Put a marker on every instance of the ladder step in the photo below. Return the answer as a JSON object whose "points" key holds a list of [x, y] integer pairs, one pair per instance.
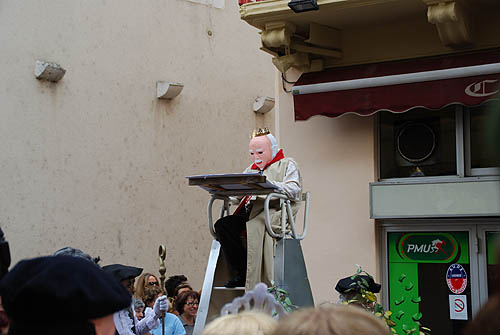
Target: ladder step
{"points": [[223, 288]]}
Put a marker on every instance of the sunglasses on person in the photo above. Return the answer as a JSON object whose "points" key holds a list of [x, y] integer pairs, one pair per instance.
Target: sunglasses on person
{"points": [[192, 303], [153, 283]]}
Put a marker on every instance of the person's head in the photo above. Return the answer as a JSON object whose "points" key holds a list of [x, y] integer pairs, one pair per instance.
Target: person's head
{"points": [[145, 280], [70, 251], [263, 147], [84, 296], [139, 308], [486, 321], [187, 303], [353, 288], [181, 289], [172, 283], [332, 320], [124, 274], [151, 293], [245, 323], [151, 281]]}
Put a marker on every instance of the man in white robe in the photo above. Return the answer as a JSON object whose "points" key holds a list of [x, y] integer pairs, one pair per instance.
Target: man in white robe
{"points": [[126, 322], [252, 261]]}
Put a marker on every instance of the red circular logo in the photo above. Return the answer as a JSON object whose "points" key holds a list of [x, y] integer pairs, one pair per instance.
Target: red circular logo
{"points": [[456, 278]]}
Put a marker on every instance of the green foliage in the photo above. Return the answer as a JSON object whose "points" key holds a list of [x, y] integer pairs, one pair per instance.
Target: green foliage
{"points": [[368, 300], [283, 297]]}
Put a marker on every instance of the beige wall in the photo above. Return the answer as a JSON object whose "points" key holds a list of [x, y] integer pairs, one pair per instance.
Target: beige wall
{"points": [[336, 159], [96, 161]]}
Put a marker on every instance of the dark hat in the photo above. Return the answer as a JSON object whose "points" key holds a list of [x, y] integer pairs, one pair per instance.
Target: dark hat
{"points": [[48, 290], [122, 272], [356, 283], [70, 251]]}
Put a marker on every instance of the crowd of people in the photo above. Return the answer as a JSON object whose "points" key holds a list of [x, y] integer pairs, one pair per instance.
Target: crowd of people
{"points": [[69, 293]]}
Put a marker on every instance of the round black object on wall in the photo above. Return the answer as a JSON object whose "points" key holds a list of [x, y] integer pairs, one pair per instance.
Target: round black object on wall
{"points": [[416, 142]]}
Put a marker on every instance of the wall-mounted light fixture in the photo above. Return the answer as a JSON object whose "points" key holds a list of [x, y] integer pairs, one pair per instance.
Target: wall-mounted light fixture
{"points": [[168, 90], [48, 71], [263, 105], [299, 6]]}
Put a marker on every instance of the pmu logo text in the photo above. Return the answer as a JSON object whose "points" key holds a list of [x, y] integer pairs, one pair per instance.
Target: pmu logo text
{"points": [[431, 248], [428, 247]]}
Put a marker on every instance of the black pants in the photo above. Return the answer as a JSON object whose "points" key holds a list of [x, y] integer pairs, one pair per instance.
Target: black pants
{"points": [[229, 233]]}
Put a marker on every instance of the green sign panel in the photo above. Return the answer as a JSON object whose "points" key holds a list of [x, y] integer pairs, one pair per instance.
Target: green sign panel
{"points": [[428, 247]]}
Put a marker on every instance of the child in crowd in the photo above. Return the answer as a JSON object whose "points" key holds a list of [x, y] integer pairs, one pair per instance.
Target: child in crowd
{"points": [[139, 309]]}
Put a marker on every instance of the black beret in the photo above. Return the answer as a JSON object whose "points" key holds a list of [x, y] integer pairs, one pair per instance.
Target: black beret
{"points": [[70, 251], [52, 289], [348, 284], [122, 272]]}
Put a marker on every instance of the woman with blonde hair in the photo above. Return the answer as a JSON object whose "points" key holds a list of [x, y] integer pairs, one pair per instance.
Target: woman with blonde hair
{"points": [[145, 280], [244, 323], [332, 320]]}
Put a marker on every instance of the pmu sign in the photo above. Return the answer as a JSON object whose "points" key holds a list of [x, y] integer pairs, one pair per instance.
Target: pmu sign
{"points": [[428, 247]]}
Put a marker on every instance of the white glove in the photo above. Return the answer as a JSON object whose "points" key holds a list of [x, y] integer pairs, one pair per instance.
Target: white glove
{"points": [[161, 305]]}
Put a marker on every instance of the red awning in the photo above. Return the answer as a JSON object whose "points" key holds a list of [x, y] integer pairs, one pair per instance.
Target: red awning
{"points": [[433, 82]]}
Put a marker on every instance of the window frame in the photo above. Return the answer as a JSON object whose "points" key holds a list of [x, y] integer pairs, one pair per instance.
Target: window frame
{"points": [[469, 171], [462, 150]]}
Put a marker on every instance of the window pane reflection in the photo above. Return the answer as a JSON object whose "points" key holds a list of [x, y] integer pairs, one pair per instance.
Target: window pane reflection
{"points": [[485, 135]]}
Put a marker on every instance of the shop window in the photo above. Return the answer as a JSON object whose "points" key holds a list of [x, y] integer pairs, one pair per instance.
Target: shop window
{"points": [[418, 143], [483, 125], [427, 269], [455, 141]]}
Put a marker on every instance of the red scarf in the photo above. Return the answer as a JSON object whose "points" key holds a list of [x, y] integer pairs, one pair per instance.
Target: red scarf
{"points": [[279, 156]]}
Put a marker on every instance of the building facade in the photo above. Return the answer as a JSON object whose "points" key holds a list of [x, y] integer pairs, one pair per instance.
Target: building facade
{"points": [[391, 109]]}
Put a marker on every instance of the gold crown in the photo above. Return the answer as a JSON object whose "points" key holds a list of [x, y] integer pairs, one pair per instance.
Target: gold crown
{"points": [[260, 132]]}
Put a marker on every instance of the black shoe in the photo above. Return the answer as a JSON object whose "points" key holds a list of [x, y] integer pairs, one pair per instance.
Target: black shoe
{"points": [[237, 281]]}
